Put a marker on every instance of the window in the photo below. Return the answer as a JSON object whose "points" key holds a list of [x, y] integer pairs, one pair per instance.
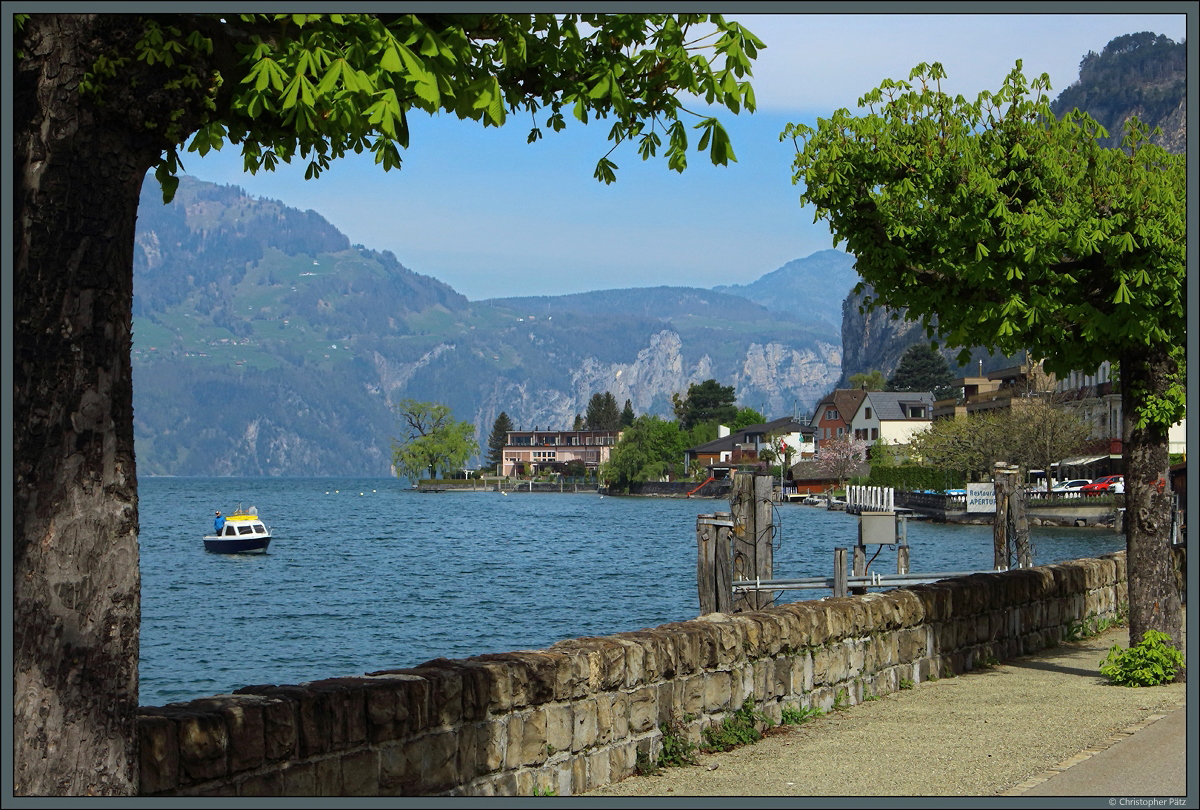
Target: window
{"points": [[841, 432], [831, 414], [229, 531], [868, 415], [258, 527], [874, 433], [245, 529]]}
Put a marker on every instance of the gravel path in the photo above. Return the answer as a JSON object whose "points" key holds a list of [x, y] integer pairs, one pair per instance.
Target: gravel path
{"points": [[978, 734]]}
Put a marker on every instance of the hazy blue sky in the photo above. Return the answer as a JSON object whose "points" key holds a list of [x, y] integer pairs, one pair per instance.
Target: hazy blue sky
{"points": [[493, 216]]}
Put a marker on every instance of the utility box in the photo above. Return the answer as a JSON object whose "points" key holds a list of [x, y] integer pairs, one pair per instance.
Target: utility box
{"points": [[877, 528]]}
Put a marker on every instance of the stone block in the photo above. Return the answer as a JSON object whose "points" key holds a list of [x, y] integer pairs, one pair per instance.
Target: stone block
{"points": [[635, 655], [505, 784], [493, 742], [244, 721], [762, 677], [692, 695], [440, 770], [667, 701], [578, 770], [530, 740], [269, 783], [203, 746], [643, 709], [781, 676], [400, 767], [802, 673], [912, 643], [585, 719], [360, 773], [299, 778], [908, 607], [329, 776], [598, 769], [856, 655], [560, 729], [442, 702], [158, 753], [717, 691]]}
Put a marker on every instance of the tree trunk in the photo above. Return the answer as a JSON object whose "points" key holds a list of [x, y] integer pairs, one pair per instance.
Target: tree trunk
{"points": [[1154, 602], [78, 169]]}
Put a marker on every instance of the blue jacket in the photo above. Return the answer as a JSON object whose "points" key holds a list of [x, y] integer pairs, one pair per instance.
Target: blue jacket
{"points": [[219, 524]]}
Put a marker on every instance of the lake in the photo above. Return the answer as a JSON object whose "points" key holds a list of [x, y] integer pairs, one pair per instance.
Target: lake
{"points": [[365, 574]]}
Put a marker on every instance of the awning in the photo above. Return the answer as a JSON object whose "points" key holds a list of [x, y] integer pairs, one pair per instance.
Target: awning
{"points": [[1080, 461]]}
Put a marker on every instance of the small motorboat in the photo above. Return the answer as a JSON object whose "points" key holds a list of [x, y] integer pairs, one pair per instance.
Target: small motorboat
{"points": [[243, 533]]}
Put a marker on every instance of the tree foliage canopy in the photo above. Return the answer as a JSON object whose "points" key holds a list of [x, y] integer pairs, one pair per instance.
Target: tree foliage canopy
{"points": [[602, 413], [317, 86], [869, 381], [1036, 434], [431, 440], [1000, 225], [647, 450], [921, 369], [708, 401]]}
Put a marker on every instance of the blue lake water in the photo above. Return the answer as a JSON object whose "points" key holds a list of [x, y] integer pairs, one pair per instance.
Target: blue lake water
{"points": [[365, 574]]}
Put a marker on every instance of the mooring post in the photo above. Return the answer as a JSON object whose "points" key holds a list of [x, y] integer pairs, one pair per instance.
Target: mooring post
{"points": [[723, 563], [839, 571], [706, 543], [1019, 520], [1000, 522], [764, 537], [901, 545]]}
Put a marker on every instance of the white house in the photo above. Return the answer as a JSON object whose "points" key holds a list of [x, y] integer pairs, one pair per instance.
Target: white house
{"points": [[893, 416]]}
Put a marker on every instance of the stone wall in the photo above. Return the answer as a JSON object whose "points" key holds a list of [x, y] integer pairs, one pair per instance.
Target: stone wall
{"points": [[578, 714]]}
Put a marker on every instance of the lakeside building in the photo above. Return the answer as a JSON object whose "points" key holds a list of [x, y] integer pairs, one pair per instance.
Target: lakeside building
{"points": [[833, 414], [528, 452], [893, 416], [743, 446], [1093, 397]]}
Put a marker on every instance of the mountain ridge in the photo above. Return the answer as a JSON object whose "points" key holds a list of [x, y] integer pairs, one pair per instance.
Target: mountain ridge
{"points": [[266, 344]]}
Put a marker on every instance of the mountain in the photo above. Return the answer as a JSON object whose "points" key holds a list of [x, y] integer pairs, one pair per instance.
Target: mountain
{"points": [[1136, 74], [815, 285], [1143, 75], [266, 344]]}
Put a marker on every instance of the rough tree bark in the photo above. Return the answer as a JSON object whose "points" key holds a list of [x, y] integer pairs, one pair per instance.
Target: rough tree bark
{"points": [[1154, 601], [78, 169]]}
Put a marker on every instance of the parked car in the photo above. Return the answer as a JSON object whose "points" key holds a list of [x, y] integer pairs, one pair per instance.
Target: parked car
{"points": [[1074, 485], [1102, 485]]}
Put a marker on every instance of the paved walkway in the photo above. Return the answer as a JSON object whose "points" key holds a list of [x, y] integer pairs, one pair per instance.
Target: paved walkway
{"points": [[1043, 725]]}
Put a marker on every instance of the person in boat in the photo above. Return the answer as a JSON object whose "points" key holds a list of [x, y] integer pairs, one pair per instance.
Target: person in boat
{"points": [[218, 523]]}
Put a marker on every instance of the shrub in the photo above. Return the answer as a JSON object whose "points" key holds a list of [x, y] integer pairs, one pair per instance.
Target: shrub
{"points": [[1150, 662]]}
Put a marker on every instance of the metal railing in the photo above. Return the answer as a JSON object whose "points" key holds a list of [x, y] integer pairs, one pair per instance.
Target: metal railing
{"points": [[828, 583]]}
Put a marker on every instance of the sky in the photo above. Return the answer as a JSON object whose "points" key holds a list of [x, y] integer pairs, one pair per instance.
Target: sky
{"points": [[493, 216]]}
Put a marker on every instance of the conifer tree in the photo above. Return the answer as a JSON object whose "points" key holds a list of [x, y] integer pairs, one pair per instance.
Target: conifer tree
{"points": [[497, 440], [627, 415]]}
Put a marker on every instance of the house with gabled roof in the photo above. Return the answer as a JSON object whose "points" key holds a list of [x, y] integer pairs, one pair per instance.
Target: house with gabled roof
{"points": [[893, 416], [833, 414]]}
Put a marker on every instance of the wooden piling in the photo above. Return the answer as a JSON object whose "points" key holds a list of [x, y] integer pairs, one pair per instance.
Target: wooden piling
{"points": [[722, 563], [1019, 523], [1000, 522], [714, 578], [706, 545], [839, 571], [764, 536]]}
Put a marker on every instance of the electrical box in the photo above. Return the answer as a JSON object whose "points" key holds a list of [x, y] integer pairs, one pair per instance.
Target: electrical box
{"points": [[877, 527]]}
